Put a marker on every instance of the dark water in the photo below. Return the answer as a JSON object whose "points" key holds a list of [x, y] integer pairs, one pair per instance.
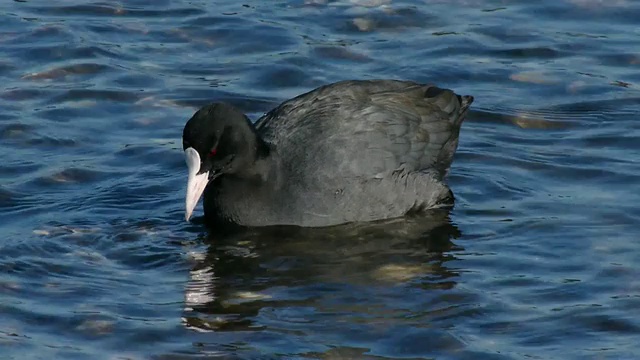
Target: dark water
{"points": [[538, 260]]}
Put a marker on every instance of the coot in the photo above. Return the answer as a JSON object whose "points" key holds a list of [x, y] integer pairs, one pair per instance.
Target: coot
{"points": [[352, 151]]}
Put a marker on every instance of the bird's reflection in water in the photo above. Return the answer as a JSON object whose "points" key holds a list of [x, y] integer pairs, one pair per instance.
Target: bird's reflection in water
{"points": [[286, 278]]}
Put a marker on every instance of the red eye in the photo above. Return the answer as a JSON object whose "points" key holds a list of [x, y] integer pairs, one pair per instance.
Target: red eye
{"points": [[213, 152]]}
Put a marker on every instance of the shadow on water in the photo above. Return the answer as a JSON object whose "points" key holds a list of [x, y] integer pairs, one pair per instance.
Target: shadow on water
{"points": [[326, 269], [347, 290]]}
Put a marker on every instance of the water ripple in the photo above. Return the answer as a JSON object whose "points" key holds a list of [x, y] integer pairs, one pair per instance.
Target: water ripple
{"points": [[538, 258]]}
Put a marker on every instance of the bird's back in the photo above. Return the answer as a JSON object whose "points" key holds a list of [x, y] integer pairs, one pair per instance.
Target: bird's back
{"points": [[359, 151], [354, 129]]}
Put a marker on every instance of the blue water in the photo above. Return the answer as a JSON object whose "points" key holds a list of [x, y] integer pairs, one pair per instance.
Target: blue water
{"points": [[539, 259]]}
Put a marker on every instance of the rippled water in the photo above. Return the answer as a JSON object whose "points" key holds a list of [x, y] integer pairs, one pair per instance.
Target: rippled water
{"points": [[539, 258]]}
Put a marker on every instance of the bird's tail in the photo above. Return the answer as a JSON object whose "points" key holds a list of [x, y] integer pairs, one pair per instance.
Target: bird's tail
{"points": [[457, 107], [450, 102]]}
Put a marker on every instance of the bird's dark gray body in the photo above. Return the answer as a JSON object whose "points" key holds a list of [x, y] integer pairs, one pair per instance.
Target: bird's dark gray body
{"points": [[346, 152]]}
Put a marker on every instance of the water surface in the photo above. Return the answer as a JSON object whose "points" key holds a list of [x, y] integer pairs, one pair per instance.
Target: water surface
{"points": [[538, 259]]}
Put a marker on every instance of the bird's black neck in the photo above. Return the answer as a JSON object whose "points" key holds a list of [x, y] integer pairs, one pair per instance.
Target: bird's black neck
{"points": [[260, 158]]}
